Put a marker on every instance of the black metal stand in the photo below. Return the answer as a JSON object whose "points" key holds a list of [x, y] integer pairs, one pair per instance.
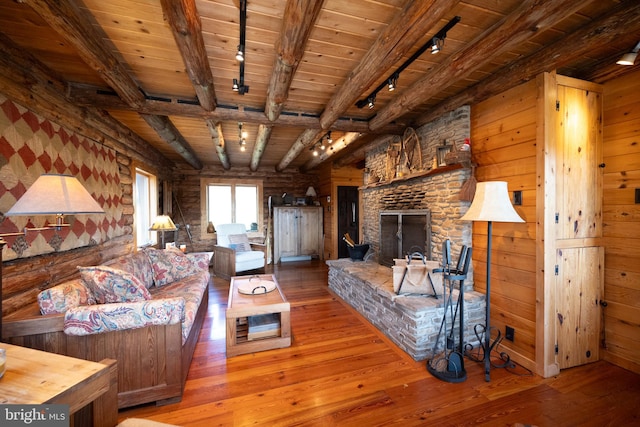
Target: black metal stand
{"points": [[448, 365]]}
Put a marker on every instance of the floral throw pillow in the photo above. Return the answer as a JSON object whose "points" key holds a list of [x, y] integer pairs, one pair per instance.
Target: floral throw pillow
{"points": [[239, 242], [170, 266], [112, 285]]}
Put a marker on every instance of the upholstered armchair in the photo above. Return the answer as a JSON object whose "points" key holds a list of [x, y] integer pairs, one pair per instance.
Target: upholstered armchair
{"points": [[234, 254]]}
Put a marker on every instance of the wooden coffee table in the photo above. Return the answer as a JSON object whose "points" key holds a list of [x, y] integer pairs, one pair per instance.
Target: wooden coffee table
{"points": [[245, 309]]}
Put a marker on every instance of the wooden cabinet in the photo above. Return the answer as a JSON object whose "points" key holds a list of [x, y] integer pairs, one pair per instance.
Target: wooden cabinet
{"points": [[297, 232]]}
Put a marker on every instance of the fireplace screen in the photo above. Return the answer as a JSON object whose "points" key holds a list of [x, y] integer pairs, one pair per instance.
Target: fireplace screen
{"points": [[402, 232]]}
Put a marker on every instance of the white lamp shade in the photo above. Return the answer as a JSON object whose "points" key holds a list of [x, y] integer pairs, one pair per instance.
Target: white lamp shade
{"points": [[311, 192], [628, 58], [55, 194], [163, 223], [491, 203]]}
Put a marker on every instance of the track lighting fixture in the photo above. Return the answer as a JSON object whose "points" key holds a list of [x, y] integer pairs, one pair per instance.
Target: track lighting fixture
{"points": [[630, 57], [371, 102], [435, 44], [392, 82], [329, 140], [238, 84]]}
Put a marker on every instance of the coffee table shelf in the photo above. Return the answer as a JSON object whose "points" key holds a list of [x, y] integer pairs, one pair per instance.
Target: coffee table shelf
{"points": [[242, 306]]}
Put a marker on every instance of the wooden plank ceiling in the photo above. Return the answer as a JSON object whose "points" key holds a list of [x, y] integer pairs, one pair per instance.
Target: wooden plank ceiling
{"points": [[164, 68]]}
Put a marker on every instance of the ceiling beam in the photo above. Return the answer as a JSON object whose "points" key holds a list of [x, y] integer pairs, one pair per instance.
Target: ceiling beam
{"points": [[523, 23], [187, 31], [623, 19], [94, 96], [415, 20], [262, 139], [74, 26], [305, 140], [338, 145], [297, 23], [168, 132], [215, 129]]}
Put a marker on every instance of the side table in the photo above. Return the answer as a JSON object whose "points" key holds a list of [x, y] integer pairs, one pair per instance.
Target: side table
{"points": [[37, 377]]}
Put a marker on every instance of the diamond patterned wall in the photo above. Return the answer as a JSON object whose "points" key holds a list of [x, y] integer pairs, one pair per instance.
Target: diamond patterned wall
{"points": [[31, 146]]}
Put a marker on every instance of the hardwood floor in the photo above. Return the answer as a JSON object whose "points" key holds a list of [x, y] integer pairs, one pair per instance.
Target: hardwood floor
{"points": [[341, 371]]}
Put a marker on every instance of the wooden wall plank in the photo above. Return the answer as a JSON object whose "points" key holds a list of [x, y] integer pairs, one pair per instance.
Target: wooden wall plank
{"points": [[622, 221]]}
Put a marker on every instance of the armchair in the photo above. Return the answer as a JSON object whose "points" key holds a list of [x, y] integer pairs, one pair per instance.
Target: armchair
{"points": [[234, 253]]}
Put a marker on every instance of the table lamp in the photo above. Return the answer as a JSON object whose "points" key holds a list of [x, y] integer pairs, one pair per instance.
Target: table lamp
{"points": [[311, 194], [163, 223], [491, 203]]}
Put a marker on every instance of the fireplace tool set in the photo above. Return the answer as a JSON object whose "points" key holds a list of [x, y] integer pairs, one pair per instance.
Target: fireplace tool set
{"points": [[447, 363]]}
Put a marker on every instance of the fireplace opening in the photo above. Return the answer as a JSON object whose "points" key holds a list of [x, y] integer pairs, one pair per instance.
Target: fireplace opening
{"points": [[402, 232]]}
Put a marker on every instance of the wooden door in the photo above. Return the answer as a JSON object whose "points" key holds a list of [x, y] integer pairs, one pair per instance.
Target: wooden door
{"points": [[578, 220], [580, 273]]}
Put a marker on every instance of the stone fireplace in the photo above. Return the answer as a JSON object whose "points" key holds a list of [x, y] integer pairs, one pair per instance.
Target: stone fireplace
{"points": [[436, 190], [419, 209]]}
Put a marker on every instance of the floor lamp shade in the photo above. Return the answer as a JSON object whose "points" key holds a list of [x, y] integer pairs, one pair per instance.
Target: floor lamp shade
{"points": [[490, 203]]}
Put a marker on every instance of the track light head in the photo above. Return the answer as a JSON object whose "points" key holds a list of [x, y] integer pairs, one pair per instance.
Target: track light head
{"points": [[628, 59], [371, 102], [329, 140], [392, 82], [240, 53], [436, 45], [235, 85]]}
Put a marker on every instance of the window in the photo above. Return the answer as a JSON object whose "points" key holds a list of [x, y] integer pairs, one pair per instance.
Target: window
{"points": [[145, 207], [231, 201]]}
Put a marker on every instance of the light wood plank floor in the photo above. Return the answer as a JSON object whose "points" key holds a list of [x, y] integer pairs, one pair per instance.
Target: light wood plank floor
{"points": [[341, 371]]}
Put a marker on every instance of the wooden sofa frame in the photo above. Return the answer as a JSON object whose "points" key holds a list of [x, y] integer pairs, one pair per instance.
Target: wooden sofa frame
{"points": [[152, 361]]}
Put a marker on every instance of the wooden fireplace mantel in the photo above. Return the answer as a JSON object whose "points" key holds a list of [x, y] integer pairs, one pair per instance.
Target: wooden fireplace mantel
{"points": [[421, 174]]}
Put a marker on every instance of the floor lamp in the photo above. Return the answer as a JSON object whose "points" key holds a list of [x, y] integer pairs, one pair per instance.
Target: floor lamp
{"points": [[491, 203]]}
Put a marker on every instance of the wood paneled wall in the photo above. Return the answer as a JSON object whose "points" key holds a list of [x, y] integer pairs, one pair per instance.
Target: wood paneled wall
{"points": [[503, 140], [622, 221]]}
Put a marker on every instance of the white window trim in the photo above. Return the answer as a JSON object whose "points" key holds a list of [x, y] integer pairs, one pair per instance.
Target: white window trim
{"points": [[204, 182]]}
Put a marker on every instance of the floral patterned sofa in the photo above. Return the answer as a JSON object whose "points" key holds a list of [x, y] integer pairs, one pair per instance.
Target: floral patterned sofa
{"points": [[144, 310]]}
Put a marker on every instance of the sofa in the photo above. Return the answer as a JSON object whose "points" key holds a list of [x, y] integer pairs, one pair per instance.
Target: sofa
{"points": [[144, 310]]}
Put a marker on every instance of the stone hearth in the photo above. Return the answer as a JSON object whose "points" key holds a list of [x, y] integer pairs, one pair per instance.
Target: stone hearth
{"points": [[411, 322]]}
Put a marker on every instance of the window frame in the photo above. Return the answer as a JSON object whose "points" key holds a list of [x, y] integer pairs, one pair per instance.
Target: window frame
{"points": [[152, 208], [204, 202]]}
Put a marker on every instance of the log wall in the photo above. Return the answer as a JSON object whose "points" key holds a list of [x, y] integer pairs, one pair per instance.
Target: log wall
{"points": [[621, 217]]}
